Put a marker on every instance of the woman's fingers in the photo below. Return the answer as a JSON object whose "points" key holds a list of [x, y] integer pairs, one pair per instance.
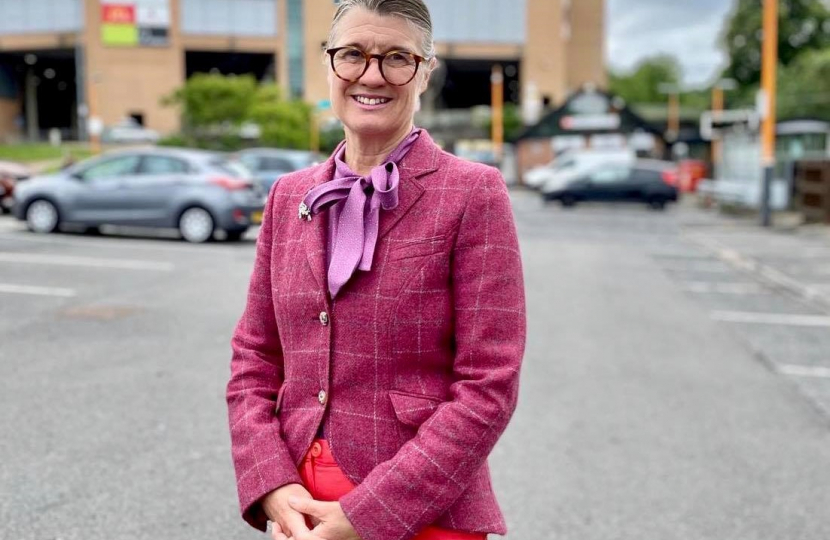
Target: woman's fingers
{"points": [[295, 525], [276, 531]]}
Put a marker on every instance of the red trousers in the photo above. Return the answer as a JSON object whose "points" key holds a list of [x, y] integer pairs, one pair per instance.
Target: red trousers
{"points": [[326, 482]]}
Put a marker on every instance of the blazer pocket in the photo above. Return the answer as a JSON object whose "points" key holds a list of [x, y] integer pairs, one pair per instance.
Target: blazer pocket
{"points": [[413, 409], [418, 248]]}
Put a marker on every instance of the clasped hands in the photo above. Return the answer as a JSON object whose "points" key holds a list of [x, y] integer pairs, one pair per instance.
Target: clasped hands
{"points": [[287, 508]]}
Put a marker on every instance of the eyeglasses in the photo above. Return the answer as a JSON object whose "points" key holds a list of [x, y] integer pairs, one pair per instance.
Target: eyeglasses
{"points": [[396, 67]]}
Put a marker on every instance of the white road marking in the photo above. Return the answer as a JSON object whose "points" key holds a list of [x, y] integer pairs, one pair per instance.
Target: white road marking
{"points": [[704, 287], [819, 372], [37, 291], [781, 319], [160, 244], [61, 260]]}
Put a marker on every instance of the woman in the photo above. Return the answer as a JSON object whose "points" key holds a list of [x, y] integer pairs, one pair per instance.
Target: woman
{"points": [[377, 361]]}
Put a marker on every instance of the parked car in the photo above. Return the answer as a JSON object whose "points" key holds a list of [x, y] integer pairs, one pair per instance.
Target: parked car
{"points": [[644, 181], [194, 191], [129, 131], [10, 174], [575, 162], [269, 164]]}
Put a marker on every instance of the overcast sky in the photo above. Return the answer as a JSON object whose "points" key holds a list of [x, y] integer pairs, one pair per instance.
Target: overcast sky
{"points": [[688, 29]]}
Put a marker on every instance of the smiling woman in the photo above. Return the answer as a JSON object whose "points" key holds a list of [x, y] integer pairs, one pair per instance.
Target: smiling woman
{"points": [[351, 416]]}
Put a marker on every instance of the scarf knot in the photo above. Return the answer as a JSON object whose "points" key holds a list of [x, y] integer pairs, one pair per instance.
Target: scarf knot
{"points": [[355, 203]]}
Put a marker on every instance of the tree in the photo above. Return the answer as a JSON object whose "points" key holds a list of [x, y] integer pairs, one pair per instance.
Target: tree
{"points": [[642, 84], [512, 123], [214, 107], [804, 87], [209, 100], [283, 124], [803, 25]]}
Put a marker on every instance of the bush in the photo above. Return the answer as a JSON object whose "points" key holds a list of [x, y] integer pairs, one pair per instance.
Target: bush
{"points": [[330, 138], [215, 106], [284, 124], [177, 140]]}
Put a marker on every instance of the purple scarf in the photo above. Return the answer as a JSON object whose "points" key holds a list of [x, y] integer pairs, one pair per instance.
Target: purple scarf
{"points": [[354, 215]]}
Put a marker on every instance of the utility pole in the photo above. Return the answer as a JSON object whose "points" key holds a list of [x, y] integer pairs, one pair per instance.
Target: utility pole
{"points": [[767, 105], [673, 117], [718, 105], [497, 103]]}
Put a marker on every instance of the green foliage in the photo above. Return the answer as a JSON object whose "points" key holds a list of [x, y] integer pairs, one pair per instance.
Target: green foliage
{"points": [[511, 122], [211, 99], [215, 106], [804, 87], [284, 124], [176, 140], [803, 25], [42, 152], [642, 84], [330, 138]]}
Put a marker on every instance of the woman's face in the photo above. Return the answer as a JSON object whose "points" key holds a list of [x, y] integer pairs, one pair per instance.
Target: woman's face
{"points": [[393, 106]]}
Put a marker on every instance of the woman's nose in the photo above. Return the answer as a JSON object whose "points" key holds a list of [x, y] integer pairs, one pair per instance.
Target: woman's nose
{"points": [[373, 74]]}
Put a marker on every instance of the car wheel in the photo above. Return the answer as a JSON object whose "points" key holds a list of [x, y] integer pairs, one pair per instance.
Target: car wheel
{"points": [[234, 236], [657, 204], [42, 217], [196, 225], [568, 201]]}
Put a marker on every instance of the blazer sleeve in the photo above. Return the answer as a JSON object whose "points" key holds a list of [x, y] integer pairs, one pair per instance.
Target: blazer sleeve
{"points": [[409, 492], [260, 456]]}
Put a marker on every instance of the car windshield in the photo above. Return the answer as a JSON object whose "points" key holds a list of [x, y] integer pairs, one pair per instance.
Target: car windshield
{"points": [[233, 167]]}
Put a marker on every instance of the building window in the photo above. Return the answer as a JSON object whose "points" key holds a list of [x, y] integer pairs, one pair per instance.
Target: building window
{"points": [[254, 18], [19, 17]]}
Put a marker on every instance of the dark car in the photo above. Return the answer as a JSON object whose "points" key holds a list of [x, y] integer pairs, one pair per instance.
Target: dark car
{"points": [[269, 164], [642, 182], [194, 191]]}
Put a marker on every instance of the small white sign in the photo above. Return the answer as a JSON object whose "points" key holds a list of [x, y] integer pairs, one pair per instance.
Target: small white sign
{"points": [[591, 122], [95, 126], [762, 104], [153, 14]]}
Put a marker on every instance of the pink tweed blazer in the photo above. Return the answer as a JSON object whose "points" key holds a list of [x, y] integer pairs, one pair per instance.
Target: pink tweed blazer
{"points": [[416, 363]]}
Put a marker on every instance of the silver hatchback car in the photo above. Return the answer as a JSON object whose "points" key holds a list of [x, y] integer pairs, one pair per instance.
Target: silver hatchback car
{"points": [[197, 192]]}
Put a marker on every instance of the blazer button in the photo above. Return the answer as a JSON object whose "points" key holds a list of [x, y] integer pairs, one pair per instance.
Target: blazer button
{"points": [[321, 397], [324, 318]]}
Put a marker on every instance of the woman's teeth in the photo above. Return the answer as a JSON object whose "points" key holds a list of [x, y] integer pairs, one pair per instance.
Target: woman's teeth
{"points": [[371, 101]]}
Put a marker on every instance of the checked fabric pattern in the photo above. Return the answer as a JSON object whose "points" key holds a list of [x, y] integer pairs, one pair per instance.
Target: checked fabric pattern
{"points": [[415, 365]]}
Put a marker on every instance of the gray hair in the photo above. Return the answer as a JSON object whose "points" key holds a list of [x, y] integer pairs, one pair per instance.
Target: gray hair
{"points": [[414, 12]]}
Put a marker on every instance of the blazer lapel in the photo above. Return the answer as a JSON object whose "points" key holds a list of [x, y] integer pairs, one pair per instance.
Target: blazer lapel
{"points": [[421, 160], [314, 231]]}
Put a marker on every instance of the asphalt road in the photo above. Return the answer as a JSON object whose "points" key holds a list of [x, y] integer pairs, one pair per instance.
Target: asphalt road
{"points": [[654, 404]]}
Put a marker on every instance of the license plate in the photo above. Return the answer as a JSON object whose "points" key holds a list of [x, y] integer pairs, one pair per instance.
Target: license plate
{"points": [[256, 218]]}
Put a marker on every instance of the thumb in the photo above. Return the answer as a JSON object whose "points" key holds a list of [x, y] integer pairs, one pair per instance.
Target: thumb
{"points": [[307, 506]]}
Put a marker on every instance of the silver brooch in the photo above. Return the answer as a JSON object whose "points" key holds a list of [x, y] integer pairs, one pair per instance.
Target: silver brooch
{"points": [[305, 212]]}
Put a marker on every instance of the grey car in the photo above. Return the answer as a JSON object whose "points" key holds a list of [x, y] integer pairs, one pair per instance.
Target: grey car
{"points": [[194, 191], [269, 164]]}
